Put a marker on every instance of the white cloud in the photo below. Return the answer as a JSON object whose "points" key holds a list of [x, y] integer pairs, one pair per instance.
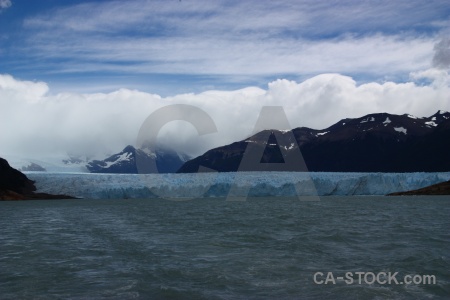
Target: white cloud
{"points": [[234, 38], [36, 123], [376, 54], [437, 77], [5, 3], [26, 90], [242, 17]]}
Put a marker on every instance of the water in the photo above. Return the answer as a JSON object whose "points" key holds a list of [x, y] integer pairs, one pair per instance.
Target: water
{"points": [[263, 248]]}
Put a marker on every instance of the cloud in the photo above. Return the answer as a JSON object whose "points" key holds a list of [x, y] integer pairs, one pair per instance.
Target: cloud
{"points": [[261, 39], [219, 56], [441, 58], [256, 18], [437, 77], [36, 123], [4, 4]]}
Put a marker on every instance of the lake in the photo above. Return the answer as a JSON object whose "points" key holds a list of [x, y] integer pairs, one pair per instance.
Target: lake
{"points": [[210, 248]]}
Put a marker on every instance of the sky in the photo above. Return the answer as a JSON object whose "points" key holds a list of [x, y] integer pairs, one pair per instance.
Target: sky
{"points": [[82, 76]]}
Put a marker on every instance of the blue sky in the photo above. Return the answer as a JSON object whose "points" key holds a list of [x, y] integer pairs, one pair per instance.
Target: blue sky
{"points": [[170, 47]]}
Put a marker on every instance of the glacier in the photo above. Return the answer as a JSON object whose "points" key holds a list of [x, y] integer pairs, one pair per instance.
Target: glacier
{"points": [[119, 186]]}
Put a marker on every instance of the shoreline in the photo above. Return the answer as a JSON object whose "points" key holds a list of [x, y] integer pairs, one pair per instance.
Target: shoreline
{"points": [[442, 188]]}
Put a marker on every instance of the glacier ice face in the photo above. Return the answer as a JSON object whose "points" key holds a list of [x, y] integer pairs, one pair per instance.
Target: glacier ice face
{"points": [[109, 186]]}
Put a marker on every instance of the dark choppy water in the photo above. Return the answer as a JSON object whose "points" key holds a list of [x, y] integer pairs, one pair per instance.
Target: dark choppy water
{"points": [[212, 249]]}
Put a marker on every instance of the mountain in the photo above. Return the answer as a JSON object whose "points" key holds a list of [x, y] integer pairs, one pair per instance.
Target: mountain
{"points": [[33, 167], [125, 162], [14, 185], [379, 142]]}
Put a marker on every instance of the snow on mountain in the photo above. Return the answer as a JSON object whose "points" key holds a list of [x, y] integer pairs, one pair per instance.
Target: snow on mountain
{"points": [[125, 162], [371, 119], [400, 129], [322, 133], [125, 157]]}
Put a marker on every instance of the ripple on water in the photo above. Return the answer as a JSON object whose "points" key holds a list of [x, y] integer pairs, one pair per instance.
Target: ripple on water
{"points": [[214, 249]]}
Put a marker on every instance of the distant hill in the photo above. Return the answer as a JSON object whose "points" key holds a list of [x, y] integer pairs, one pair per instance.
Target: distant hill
{"points": [[379, 142], [33, 167]]}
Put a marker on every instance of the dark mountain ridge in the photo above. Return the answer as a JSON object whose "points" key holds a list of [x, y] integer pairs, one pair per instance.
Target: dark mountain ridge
{"points": [[378, 142]]}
